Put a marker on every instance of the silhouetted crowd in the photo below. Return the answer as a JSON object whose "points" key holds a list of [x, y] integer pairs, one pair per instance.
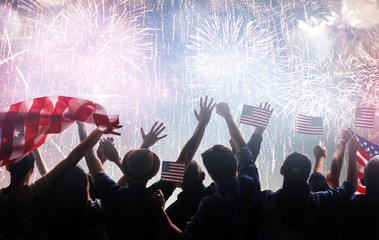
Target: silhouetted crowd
{"points": [[67, 203]]}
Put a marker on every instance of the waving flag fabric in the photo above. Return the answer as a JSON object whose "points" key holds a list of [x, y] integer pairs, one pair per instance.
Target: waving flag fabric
{"points": [[367, 151], [364, 117], [173, 172], [308, 125], [25, 125], [255, 116]]}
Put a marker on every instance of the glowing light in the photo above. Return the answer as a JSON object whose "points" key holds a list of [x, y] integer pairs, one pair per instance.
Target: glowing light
{"points": [[224, 53], [88, 41], [361, 14]]}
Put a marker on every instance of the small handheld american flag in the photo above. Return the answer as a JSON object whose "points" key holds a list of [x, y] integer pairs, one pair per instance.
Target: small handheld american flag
{"points": [[364, 117], [173, 172], [308, 125], [255, 116]]}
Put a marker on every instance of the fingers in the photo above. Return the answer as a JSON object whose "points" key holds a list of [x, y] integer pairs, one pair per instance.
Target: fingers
{"points": [[152, 128], [159, 138], [142, 133], [196, 114], [205, 101], [212, 107], [210, 103], [158, 193], [160, 131], [267, 107], [115, 133]]}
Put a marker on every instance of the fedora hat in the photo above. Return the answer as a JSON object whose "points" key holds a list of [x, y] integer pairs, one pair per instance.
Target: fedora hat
{"points": [[140, 165]]}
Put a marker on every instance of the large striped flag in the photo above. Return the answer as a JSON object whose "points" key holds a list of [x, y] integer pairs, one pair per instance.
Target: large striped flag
{"points": [[308, 125], [364, 117], [255, 116], [367, 151], [24, 126], [173, 171]]}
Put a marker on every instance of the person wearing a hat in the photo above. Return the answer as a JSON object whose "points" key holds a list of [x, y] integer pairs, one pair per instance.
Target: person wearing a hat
{"points": [[128, 210]]}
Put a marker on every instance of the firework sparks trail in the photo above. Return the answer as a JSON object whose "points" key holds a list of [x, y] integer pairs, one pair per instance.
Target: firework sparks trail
{"points": [[85, 42]]}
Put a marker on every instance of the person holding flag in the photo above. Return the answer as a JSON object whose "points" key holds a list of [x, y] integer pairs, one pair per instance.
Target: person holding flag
{"points": [[293, 211], [24, 126], [361, 214], [22, 204]]}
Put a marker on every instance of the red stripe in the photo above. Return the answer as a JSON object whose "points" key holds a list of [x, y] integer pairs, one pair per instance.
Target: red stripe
{"points": [[256, 118], [43, 118], [7, 126], [364, 154], [361, 189], [363, 121], [308, 129], [32, 122], [253, 123], [56, 116], [173, 174], [84, 111], [170, 179]]}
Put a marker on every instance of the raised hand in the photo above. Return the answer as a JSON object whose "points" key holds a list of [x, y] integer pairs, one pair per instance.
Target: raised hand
{"points": [[223, 109], [346, 135], [108, 149], [205, 110], [113, 132], [353, 145], [260, 130], [157, 200], [320, 150], [266, 107], [100, 154], [153, 136]]}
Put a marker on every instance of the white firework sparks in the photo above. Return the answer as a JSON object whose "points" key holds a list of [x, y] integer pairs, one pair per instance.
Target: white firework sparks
{"points": [[85, 41], [226, 54]]}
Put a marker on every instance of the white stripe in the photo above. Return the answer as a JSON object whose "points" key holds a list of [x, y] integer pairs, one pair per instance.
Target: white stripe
{"points": [[307, 128], [253, 123], [174, 173], [172, 179], [182, 168], [361, 157]]}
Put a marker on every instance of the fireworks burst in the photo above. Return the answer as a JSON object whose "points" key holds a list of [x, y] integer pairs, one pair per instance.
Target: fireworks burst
{"points": [[83, 42], [226, 54]]}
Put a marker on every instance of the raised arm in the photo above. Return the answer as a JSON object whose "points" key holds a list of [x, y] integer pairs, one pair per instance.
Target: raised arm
{"points": [[332, 178], [59, 171], [41, 166], [223, 110], [255, 141], [189, 149], [352, 148], [319, 152]]}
